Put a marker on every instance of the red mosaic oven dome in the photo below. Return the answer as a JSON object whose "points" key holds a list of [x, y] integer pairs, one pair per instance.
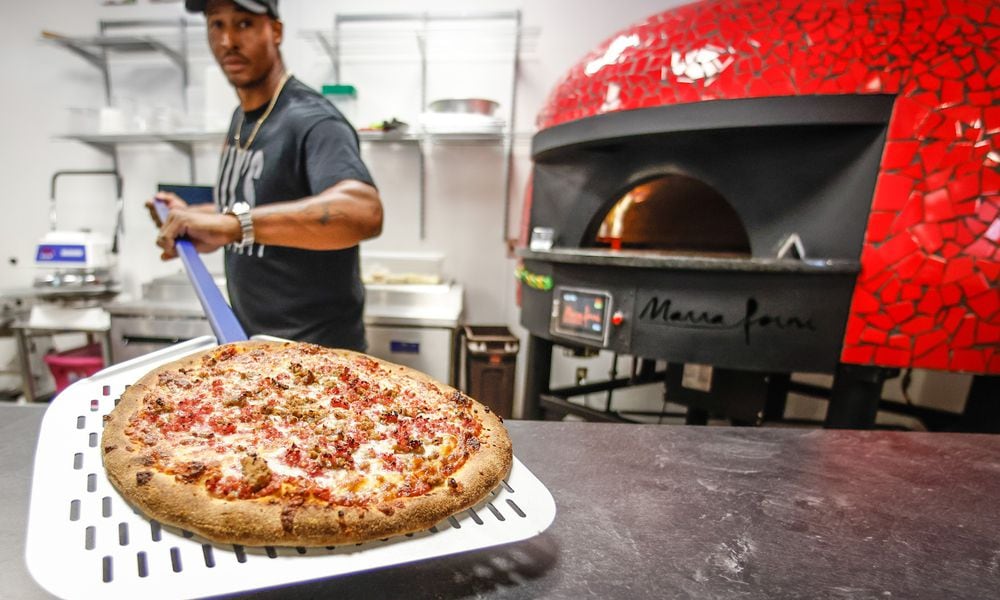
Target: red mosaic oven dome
{"points": [[927, 295]]}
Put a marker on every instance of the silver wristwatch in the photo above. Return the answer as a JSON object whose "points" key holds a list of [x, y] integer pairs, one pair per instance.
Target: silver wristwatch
{"points": [[241, 210]]}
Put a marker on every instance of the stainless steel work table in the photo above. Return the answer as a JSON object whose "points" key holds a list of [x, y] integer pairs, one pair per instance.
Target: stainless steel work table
{"points": [[669, 511]]}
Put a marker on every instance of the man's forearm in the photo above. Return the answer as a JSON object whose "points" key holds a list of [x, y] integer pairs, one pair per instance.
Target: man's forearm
{"points": [[339, 217]]}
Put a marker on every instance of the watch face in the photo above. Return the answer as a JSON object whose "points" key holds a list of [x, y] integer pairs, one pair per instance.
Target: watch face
{"points": [[241, 207]]}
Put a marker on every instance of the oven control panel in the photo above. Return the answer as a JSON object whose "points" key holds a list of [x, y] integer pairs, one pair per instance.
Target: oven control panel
{"points": [[582, 314]]}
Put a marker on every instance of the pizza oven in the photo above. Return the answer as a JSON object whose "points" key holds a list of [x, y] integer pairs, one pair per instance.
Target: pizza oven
{"points": [[750, 186]]}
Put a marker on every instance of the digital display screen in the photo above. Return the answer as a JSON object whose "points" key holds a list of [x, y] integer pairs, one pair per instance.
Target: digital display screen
{"points": [[582, 313], [192, 194]]}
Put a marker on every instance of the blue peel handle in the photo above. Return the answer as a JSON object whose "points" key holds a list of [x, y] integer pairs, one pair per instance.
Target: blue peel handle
{"points": [[220, 316]]}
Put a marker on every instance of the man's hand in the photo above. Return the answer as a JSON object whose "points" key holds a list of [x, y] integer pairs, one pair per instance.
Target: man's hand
{"points": [[205, 228], [207, 231], [172, 201]]}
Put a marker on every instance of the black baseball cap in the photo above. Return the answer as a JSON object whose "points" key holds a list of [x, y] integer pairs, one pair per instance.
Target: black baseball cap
{"points": [[260, 7]]}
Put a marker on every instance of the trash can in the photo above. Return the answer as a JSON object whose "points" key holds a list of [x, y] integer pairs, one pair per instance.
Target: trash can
{"points": [[490, 363], [71, 365]]}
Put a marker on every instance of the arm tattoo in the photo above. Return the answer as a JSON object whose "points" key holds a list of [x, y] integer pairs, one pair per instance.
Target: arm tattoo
{"points": [[327, 216]]}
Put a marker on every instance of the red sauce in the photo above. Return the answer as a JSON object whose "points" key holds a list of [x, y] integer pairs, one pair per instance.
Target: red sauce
{"points": [[222, 426], [187, 414]]}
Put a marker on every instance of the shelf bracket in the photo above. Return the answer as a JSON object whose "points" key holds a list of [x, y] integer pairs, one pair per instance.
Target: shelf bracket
{"points": [[331, 50], [508, 169], [94, 58], [422, 200], [97, 59], [105, 148], [175, 56]]}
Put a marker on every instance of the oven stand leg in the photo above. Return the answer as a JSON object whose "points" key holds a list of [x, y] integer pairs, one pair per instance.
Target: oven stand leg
{"points": [[855, 396], [777, 396], [24, 357], [982, 410], [537, 377], [696, 416]]}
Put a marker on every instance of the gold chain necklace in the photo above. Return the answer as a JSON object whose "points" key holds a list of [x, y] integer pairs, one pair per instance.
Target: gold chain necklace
{"points": [[263, 117]]}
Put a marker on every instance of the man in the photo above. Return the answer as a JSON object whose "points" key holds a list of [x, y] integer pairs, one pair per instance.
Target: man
{"points": [[293, 198]]}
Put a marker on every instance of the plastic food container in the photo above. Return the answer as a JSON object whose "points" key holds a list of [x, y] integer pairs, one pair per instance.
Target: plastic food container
{"points": [[345, 98]]}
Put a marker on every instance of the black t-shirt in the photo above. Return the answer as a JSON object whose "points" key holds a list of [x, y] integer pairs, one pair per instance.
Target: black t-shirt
{"points": [[303, 147]]}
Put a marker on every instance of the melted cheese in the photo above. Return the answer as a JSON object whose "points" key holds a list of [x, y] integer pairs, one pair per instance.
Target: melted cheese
{"points": [[289, 409]]}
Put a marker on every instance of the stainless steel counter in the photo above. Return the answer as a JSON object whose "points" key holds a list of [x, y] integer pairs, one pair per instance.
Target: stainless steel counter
{"points": [[410, 324], [666, 511], [410, 305]]}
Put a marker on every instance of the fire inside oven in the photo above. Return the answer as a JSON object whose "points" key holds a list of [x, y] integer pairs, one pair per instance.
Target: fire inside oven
{"points": [[673, 213]]}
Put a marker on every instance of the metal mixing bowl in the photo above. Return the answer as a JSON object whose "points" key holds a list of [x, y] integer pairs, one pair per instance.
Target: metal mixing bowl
{"points": [[479, 106]]}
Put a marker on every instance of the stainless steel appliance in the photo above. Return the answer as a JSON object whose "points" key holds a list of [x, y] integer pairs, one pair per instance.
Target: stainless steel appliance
{"points": [[415, 325], [167, 313], [410, 324]]}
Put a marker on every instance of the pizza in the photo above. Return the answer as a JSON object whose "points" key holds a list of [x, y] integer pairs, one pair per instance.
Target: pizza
{"points": [[290, 444]]}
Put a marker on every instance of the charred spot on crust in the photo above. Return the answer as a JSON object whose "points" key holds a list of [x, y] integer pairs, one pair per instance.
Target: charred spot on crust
{"points": [[143, 477], [454, 486], [107, 418], [387, 510], [109, 448], [461, 399], [288, 513], [288, 518]]}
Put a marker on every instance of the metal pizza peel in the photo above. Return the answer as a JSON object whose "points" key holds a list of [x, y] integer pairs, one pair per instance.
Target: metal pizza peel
{"points": [[223, 321]]}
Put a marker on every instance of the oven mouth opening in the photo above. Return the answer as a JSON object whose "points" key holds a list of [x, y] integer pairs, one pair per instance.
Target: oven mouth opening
{"points": [[673, 214]]}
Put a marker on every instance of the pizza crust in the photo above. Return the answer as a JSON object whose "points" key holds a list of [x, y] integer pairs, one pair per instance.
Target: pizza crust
{"points": [[274, 521]]}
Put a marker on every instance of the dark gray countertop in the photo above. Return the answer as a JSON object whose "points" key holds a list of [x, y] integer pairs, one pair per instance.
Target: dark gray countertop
{"points": [[673, 511]]}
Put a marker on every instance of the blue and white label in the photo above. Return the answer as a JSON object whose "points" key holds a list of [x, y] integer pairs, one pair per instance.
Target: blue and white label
{"points": [[61, 253], [397, 347]]}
